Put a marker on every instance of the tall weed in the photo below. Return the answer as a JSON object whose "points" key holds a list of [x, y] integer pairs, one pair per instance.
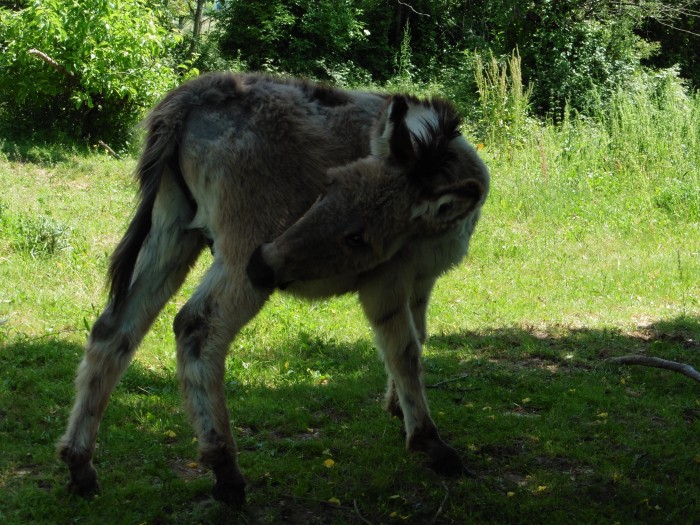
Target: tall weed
{"points": [[654, 132], [503, 103], [642, 149]]}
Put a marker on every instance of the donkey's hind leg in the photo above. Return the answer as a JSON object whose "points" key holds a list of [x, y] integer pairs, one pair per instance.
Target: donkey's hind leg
{"points": [[204, 329], [164, 261]]}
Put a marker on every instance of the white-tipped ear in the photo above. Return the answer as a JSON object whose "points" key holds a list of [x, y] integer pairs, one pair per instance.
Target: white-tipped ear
{"points": [[449, 206], [379, 145], [420, 119], [392, 138]]}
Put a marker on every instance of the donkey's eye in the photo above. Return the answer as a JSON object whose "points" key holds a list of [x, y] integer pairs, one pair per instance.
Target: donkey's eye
{"points": [[355, 240], [445, 208]]}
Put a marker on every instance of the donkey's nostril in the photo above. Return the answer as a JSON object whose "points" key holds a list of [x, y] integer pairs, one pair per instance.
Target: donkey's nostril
{"points": [[259, 272]]}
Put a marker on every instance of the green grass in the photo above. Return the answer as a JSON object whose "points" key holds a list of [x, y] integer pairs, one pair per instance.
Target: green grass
{"points": [[588, 248]]}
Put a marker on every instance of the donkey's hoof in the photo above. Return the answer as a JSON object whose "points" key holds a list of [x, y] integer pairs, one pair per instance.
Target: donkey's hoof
{"points": [[83, 481], [232, 493], [447, 463]]}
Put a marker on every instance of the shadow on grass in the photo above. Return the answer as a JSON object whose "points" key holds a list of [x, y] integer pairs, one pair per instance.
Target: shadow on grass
{"points": [[682, 332], [528, 408]]}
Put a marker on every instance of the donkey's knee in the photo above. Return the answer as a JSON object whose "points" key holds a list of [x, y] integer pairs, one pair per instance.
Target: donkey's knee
{"points": [[191, 330], [109, 339]]}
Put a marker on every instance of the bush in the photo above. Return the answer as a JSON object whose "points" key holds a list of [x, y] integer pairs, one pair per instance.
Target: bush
{"points": [[37, 236], [294, 36], [81, 69]]}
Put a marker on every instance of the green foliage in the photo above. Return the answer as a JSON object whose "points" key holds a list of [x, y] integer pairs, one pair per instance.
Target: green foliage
{"points": [[83, 69], [104, 62], [574, 53], [290, 35], [655, 124], [676, 31]]}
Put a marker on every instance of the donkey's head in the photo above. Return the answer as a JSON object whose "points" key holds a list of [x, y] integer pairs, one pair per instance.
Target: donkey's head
{"points": [[421, 180]]}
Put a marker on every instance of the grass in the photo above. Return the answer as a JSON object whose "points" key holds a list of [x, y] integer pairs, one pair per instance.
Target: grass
{"points": [[588, 248]]}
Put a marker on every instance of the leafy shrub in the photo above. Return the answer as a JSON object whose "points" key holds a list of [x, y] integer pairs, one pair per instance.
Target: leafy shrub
{"points": [[81, 68], [654, 124], [295, 36], [575, 56]]}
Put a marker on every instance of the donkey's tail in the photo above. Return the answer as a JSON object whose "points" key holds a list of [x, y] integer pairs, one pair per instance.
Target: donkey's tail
{"points": [[159, 156], [160, 159]]}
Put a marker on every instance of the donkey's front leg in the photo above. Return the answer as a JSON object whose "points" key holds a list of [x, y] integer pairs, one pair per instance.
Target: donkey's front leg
{"points": [[398, 340], [422, 287]]}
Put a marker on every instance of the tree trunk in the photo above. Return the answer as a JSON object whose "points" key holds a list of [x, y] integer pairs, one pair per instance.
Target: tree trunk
{"points": [[196, 30], [400, 17]]}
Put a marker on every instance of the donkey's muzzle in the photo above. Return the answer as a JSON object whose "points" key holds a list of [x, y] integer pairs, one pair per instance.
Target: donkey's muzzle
{"points": [[259, 272]]}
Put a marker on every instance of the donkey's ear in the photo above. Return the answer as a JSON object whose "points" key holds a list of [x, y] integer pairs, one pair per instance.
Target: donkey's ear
{"points": [[392, 138], [450, 204]]}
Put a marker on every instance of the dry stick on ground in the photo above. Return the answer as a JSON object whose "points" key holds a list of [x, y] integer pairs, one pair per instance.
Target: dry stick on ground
{"points": [[656, 362], [109, 150], [357, 511], [447, 495], [446, 381]]}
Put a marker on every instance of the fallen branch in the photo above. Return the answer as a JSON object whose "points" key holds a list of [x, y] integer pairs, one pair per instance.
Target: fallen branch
{"points": [[109, 150], [446, 381], [357, 511], [50, 61], [656, 362], [444, 500]]}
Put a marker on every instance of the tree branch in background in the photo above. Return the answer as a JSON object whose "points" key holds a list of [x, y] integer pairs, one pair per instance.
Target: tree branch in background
{"points": [[656, 362], [412, 9], [50, 61]]}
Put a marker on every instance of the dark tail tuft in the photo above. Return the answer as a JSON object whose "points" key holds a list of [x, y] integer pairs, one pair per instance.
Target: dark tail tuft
{"points": [[160, 152], [149, 173]]}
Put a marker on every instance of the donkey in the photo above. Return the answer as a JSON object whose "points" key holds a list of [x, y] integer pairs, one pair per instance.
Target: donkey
{"points": [[293, 186]]}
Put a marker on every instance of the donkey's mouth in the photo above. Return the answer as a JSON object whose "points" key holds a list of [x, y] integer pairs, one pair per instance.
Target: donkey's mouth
{"points": [[259, 272]]}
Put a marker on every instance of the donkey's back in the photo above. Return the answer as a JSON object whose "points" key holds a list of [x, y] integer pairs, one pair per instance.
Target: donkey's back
{"points": [[293, 184]]}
